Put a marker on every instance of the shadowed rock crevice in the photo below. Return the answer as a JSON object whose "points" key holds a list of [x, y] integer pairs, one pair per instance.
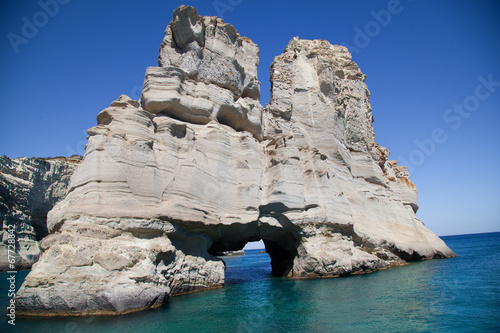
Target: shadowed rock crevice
{"points": [[281, 257]]}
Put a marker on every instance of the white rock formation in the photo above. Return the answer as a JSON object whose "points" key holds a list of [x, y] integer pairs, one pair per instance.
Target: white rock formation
{"points": [[29, 188], [211, 51], [198, 167]]}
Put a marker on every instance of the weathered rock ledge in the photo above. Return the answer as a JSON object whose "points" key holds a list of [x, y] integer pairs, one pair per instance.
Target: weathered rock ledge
{"points": [[198, 167]]}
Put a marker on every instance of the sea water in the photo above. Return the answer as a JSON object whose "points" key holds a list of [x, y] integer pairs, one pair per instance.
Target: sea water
{"points": [[450, 295]]}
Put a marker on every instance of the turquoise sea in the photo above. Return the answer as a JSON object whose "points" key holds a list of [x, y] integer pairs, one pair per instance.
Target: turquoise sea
{"points": [[449, 295]]}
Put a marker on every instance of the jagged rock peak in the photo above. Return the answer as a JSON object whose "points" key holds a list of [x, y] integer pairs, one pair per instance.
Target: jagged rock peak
{"points": [[209, 50], [317, 84], [317, 47], [207, 72]]}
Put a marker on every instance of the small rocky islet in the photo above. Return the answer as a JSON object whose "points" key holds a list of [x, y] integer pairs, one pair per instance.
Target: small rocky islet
{"points": [[198, 167]]}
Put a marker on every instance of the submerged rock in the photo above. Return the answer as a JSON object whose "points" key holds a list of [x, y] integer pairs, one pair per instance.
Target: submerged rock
{"points": [[198, 167], [29, 188]]}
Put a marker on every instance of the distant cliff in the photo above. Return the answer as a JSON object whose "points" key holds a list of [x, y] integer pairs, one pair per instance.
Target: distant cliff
{"points": [[29, 188], [198, 167]]}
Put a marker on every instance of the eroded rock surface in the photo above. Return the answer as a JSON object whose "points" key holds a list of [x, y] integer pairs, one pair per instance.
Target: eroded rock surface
{"points": [[210, 50], [197, 167], [29, 188]]}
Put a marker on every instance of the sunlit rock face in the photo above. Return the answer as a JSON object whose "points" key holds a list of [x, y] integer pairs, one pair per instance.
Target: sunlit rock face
{"points": [[29, 188], [198, 167]]}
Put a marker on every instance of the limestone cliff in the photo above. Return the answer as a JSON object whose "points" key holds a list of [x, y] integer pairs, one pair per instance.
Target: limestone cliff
{"points": [[198, 167], [29, 188]]}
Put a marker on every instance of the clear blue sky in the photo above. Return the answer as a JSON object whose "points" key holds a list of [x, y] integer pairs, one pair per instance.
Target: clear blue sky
{"points": [[422, 57]]}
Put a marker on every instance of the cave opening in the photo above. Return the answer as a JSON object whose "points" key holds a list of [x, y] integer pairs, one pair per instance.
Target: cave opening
{"points": [[254, 257], [253, 264]]}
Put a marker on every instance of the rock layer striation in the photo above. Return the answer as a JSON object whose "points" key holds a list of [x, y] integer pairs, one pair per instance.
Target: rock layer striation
{"points": [[198, 167]]}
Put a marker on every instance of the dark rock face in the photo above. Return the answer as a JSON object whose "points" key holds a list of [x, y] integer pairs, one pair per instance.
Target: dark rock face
{"points": [[29, 188]]}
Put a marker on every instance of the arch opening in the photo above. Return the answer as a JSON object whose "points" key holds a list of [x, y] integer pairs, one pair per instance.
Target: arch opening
{"points": [[252, 265], [278, 244]]}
